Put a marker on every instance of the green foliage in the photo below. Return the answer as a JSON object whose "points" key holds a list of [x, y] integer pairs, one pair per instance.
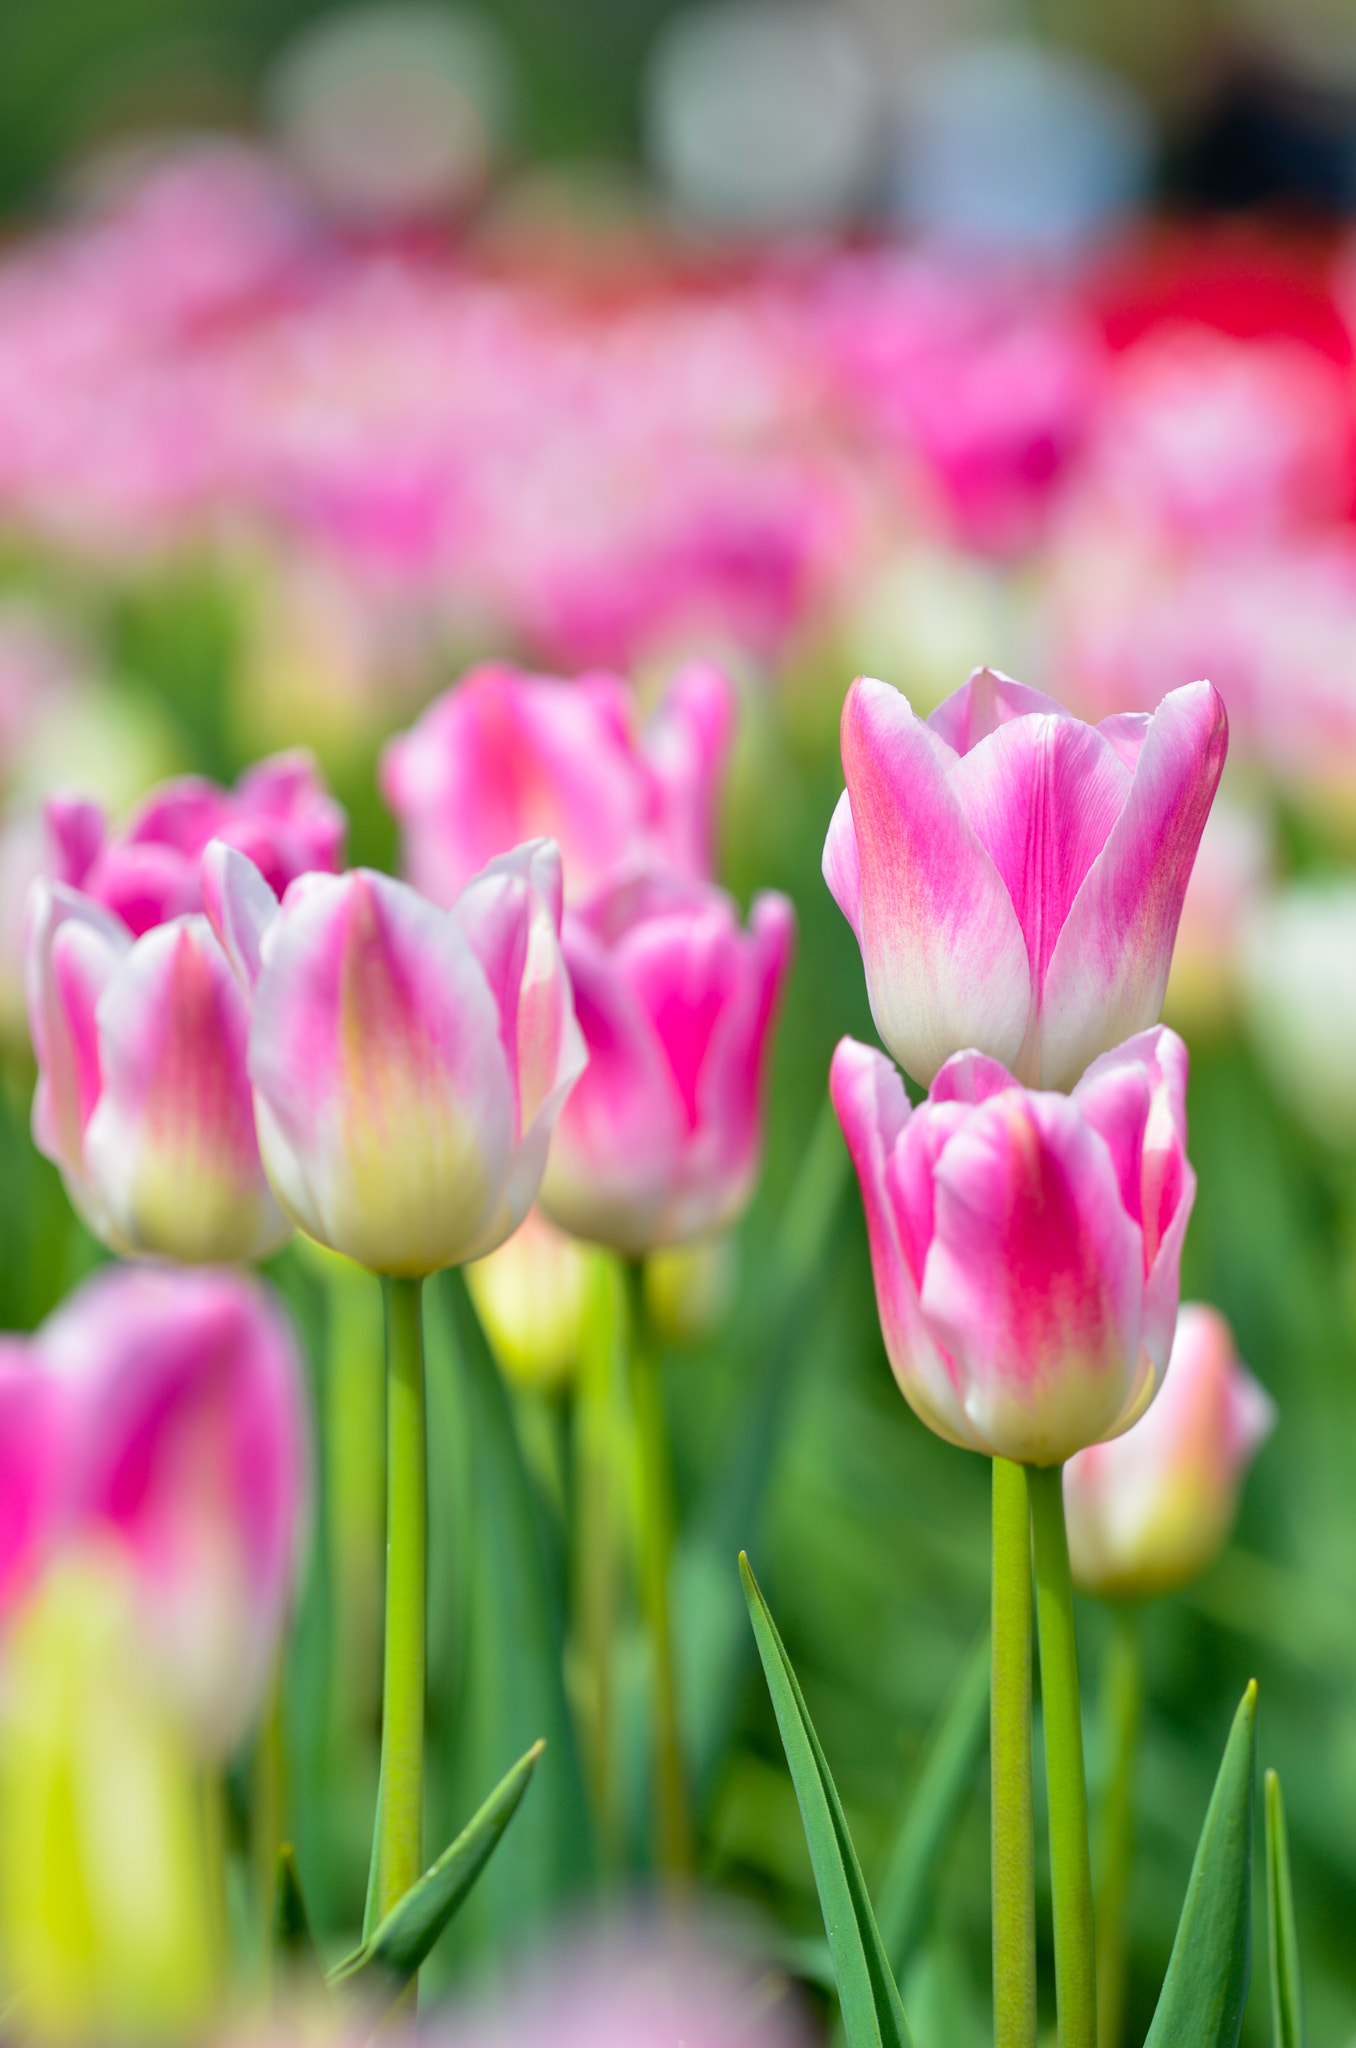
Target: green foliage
{"points": [[1287, 2010], [1201, 2005], [868, 1998]]}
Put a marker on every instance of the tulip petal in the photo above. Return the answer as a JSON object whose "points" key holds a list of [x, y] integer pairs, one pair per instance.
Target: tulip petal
{"points": [[986, 701], [1034, 1277], [875, 1115], [685, 746], [946, 963], [32, 1444], [74, 948], [240, 907], [384, 1100], [171, 1146], [841, 866], [1109, 968]]}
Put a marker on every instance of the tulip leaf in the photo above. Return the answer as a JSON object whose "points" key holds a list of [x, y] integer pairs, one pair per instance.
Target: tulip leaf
{"points": [[1287, 2011], [939, 1796], [398, 1945], [868, 1997], [293, 1941], [1201, 2003]]}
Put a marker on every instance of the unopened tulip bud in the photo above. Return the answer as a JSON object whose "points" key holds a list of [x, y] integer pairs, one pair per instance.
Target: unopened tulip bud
{"points": [[143, 1096], [1025, 1246], [1014, 877], [1148, 1512], [530, 1297], [661, 1141], [690, 1288], [408, 1063]]}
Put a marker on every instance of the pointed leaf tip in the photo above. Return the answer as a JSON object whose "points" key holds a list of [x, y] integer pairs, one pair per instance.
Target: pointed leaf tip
{"points": [[1287, 2011]]}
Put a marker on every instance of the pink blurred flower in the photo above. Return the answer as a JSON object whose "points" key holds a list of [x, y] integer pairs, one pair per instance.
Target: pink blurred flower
{"points": [[171, 1412], [31, 1438], [1147, 1513], [505, 756], [1014, 877], [143, 1098], [660, 1142], [1025, 1246], [279, 813], [408, 1063]]}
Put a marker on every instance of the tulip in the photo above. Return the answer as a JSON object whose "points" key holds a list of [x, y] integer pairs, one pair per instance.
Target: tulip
{"points": [[1299, 985], [1148, 1512], [31, 1438], [505, 756], [143, 1098], [1025, 1246], [660, 1142], [530, 1297], [1013, 876], [408, 1063], [279, 814], [183, 1447]]}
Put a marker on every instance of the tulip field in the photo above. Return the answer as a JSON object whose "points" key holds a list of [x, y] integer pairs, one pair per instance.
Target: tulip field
{"points": [[678, 1132]]}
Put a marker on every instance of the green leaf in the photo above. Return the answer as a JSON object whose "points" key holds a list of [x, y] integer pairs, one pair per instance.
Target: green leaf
{"points": [[395, 1949], [939, 1797], [1201, 2003], [293, 1941], [868, 1998], [1287, 2010]]}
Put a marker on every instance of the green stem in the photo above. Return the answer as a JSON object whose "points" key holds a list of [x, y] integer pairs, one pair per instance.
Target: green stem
{"points": [[396, 1848], [1122, 1692], [268, 1806], [1013, 1828], [672, 1823], [1070, 1869], [597, 1533]]}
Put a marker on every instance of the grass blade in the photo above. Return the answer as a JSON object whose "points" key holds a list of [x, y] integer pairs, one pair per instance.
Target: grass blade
{"points": [[1287, 2010], [1201, 2003], [395, 1949], [293, 1942], [869, 2000]]}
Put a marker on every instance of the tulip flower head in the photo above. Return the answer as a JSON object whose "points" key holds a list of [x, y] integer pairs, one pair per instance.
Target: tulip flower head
{"points": [[1148, 1512], [408, 1063], [143, 1099], [530, 1296], [505, 756], [661, 1140], [1014, 877], [1025, 1246]]}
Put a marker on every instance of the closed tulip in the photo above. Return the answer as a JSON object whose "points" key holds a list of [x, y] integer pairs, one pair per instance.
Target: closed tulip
{"points": [[1025, 1245], [279, 813], [143, 1098], [1147, 1513], [1014, 877], [408, 1063], [660, 1142], [505, 756]]}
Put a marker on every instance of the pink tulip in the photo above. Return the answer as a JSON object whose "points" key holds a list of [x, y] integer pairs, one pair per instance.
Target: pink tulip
{"points": [[31, 1437], [143, 1098], [279, 813], [1147, 1513], [408, 1063], [1025, 1246], [181, 1440], [505, 756], [660, 1142], [1014, 877]]}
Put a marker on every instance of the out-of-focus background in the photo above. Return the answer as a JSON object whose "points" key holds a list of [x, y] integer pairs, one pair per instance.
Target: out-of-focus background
{"points": [[341, 348]]}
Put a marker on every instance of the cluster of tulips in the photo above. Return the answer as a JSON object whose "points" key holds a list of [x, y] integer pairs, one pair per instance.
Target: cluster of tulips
{"points": [[556, 1034]]}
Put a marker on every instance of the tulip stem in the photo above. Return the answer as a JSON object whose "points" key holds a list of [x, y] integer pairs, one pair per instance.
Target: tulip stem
{"points": [[672, 1824], [1122, 1692], [597, 1537], [396, 1849], [1012, 1824], [1070, 1868]]}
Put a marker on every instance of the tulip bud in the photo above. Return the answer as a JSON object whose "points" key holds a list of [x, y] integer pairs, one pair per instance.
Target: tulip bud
{"points": [[690, 1288], [660, 1142], [1147, 1513], [1025, 1246], [1299, 969], [105, 1903], [505, 756], [530, 1297], [408, 1063], [1014, 877], [143, 1097]]}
